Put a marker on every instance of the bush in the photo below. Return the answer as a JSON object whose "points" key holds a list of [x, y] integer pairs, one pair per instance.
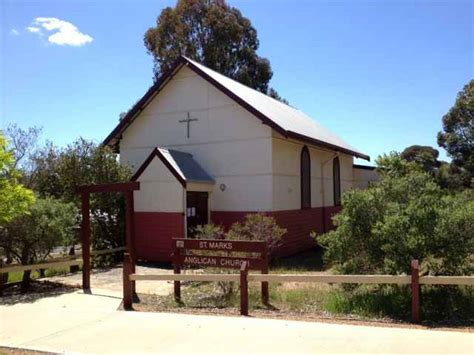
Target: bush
{"points": [[57, 172], [405, 216], [31, 237], [256, 227]]}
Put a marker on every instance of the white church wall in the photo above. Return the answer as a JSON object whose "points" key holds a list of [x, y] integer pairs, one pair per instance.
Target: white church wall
{"points": [[160, 191], [227, 141], [363, 177], [286, 174]]}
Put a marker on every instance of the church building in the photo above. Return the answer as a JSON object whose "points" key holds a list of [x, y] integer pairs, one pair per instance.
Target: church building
{"points": [[207, 149]]}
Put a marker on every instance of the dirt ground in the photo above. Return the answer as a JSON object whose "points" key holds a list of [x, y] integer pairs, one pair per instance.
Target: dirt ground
{"points": [[17, 351], [110, 279]]}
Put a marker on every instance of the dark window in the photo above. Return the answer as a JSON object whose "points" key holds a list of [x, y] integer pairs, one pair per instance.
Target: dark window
{"points": [[336, 178], [305, 178]]}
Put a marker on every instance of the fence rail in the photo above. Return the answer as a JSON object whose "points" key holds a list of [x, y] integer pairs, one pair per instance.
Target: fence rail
{"points": [[331, 279], [69, 260], [18, 268], [185, 277], [447, 280]]}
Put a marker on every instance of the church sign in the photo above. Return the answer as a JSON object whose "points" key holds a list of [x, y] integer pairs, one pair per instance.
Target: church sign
{"points": [[218, 253]]}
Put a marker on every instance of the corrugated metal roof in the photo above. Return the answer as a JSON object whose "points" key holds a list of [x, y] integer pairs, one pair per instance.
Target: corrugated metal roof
{"points": [[287, 117], [186, 166]]}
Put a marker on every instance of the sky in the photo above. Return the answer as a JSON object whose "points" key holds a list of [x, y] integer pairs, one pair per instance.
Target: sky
{"points": [[380, 74]]}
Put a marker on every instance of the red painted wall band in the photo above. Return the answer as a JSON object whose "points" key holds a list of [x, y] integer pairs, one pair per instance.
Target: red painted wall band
{"points": [[155, 230]]}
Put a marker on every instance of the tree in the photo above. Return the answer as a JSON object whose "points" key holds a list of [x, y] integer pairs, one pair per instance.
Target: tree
{"points": [[405, 216], [457, 136], [30, 237], [58, 172], [214, 34], [22, 142], [15, 199], [425, 156]]}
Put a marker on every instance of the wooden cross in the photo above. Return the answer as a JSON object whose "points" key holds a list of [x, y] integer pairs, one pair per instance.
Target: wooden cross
{"points": [[188, 121]]}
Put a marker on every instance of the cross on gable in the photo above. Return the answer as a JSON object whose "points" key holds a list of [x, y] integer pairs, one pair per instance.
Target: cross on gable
{"points": [[188, 122]]}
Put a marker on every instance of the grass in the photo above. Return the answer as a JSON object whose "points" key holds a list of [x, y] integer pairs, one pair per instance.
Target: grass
{"points": [[440, 305], [17, 276]]}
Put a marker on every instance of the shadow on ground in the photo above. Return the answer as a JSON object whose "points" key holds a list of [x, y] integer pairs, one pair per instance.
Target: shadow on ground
{"points": [[38, 290], [311, 260]]}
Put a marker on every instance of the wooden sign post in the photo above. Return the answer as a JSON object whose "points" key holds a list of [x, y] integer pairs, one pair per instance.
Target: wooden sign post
{"points": [[220, 253]]}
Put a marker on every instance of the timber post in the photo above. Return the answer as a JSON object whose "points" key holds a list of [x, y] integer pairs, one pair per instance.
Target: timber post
{"points": [[127, 283], [177, 283], [130, 234], [86, 242], [265, 291], [415, 291], [244, 289]]}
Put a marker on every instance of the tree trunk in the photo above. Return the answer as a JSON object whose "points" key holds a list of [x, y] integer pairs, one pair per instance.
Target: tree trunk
{"points": [[25, 282], [3, 278]]}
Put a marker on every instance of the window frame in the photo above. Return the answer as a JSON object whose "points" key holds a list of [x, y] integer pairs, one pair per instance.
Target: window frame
{"points": [[305, 202], [337, 191]]}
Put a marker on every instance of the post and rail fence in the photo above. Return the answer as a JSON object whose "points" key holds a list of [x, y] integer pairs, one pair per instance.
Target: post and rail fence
{"points": [[54, 263], [414, 280]]}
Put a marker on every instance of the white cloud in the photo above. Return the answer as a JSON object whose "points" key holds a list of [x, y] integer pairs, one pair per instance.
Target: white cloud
{"points": [[14, 32], [63, 33], [33, 29]]}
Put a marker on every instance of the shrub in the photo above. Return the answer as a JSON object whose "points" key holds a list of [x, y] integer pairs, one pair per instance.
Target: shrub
{"points": [[32, 236], [258, 227], [405, 216], [209, 231]]}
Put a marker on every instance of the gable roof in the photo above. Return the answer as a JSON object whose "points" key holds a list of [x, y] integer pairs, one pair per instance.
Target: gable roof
{"points": [[286, 120], [182, 165]]}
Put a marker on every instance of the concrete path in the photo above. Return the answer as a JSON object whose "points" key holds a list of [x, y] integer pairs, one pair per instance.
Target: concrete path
{"points": [[81, 323]]}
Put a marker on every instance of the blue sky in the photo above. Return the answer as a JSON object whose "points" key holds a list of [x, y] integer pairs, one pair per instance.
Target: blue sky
{"points": [[381, 74]]}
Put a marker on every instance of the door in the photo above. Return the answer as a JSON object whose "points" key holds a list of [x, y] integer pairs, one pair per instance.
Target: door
{"points": [[196, 211]]}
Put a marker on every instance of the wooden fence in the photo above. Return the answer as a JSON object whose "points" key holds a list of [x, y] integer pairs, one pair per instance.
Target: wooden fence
{"points": [[414, 280], [69, 260]]}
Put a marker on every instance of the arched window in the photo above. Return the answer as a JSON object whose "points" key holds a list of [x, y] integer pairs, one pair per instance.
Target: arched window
{"points": [[305, 178], [336, 178]]}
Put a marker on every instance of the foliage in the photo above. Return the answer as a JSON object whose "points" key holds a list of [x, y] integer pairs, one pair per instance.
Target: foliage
{"points": [[58, 172], [258, 226], [15, 199], [212, 33], [457, 136], [425, 156], [31, 237], [447, 175], [441, 304], [405, 216], [23, 143], [209, 231]]}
